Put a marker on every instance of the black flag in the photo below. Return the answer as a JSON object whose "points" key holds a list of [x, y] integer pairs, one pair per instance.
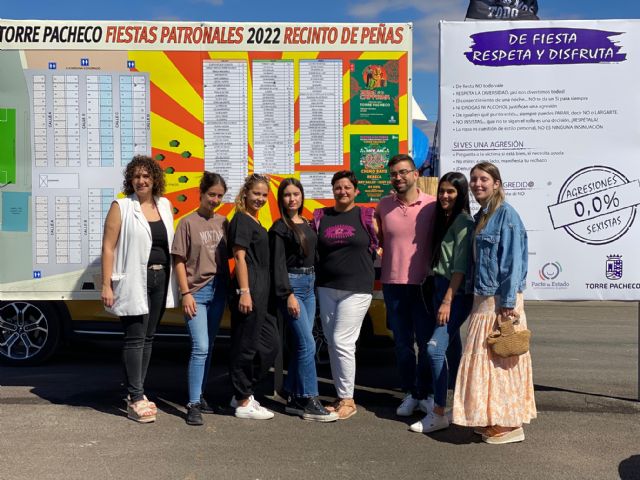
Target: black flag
{"points": [[503, 10]]}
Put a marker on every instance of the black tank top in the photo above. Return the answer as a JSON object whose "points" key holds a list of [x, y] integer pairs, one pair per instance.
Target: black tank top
{"points": [[159, 244]]}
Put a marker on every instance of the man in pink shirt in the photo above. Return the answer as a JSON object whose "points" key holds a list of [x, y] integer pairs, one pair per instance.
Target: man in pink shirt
{"points": [[405, 219]]}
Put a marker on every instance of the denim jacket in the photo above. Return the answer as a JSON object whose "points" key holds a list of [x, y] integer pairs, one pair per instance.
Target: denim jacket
{"points": [[501, 257]]}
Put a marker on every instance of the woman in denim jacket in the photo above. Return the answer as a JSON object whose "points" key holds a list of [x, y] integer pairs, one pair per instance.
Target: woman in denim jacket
{"points": [[492, 393]]}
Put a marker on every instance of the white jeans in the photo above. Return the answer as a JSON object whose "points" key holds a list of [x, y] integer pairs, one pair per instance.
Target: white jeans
{"points": [[341, 313]]}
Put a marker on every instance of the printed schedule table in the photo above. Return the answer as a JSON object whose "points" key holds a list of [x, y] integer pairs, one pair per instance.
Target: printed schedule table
{"points": [[321, 112], [39, 85], [317, 184], [100, 152], [41, 206], [68, 229], [225, 121], [99, 202], [66, 120], [133, 117], [273, 117]]}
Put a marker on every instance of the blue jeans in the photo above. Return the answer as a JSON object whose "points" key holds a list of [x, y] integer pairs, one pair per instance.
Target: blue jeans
{"points": [[203, 328], [302, 379], [409, 319], [441, 336]]}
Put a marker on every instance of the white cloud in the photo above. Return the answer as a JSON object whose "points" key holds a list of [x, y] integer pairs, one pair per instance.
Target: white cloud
{"points": [[425, 15]]}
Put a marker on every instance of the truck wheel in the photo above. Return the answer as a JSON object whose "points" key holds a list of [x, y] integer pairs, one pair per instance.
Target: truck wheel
{"points": [[29, 332]]}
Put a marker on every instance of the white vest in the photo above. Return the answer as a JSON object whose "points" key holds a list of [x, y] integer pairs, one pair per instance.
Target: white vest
{"points": [[129, 277]]}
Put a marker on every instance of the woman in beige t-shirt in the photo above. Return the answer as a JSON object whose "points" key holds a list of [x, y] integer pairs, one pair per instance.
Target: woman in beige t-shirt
{"points": [[200, 256]]}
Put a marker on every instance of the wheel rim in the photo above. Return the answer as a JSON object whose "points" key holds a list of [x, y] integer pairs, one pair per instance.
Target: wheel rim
{"points": [[23, 330]]}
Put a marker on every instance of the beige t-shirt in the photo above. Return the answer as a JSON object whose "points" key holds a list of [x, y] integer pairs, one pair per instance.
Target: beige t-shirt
{"points": [[201, 242]]}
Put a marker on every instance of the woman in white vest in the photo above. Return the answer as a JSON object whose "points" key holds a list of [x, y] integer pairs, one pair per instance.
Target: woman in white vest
{"points": [[136, 272]]}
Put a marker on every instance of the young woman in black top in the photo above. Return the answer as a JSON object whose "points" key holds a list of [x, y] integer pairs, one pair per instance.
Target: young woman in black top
{"points": [[254, 338], [293, 252]]}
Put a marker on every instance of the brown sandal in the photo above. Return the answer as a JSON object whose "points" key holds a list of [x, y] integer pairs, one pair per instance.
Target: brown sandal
{"points": [[140, 412], [346, 409]]}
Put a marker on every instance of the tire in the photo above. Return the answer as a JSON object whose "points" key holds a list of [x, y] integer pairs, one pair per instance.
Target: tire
{"points": [[29, 332]]}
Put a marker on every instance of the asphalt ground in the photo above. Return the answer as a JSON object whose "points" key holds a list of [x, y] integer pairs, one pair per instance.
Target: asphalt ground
{"points": [[66, 420]]}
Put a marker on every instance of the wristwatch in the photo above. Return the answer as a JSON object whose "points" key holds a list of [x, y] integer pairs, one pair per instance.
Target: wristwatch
{"points": [[242, 291]]}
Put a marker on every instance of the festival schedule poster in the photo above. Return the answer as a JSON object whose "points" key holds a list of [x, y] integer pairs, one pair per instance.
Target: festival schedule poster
{"points": [[82, 97], [374, 92], [555, 105], [369, 157]]}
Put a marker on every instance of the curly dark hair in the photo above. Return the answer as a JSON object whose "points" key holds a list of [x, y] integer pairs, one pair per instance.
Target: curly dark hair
{"points": [[151, 166]]}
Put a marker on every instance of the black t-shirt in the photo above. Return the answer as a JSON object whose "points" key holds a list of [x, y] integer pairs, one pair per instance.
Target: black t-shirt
{"points": [[245, 232], [159, 254], [345, 262], [293, 253], [286, 253]]}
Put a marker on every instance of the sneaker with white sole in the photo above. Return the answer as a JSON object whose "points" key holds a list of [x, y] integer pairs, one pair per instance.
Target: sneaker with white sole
{"points": [[408, 406], [254, 411], [431, 423]]}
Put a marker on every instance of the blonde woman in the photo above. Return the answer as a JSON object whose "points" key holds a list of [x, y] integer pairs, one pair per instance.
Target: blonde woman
{"points": [[494, 394], [254, 335]]}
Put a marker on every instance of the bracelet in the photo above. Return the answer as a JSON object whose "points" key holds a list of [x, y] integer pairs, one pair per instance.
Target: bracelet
{"points": [[444, 302], [185, 293], [242, 291]]}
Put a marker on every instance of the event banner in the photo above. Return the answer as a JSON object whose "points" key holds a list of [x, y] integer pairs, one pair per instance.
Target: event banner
{"points": [[79, 99], [556, 106], [370, 155]]}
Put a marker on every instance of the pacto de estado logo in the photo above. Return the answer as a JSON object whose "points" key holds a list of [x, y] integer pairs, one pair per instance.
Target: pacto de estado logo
{"points": [[550, 271], [613, 267]]}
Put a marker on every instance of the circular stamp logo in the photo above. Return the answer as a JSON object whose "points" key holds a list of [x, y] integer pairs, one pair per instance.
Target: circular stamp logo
{"points": [[596, 205], [550, 271]]}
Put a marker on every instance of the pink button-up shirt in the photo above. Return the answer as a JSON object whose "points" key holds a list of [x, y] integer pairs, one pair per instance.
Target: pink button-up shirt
{"points": [[407, 231]]}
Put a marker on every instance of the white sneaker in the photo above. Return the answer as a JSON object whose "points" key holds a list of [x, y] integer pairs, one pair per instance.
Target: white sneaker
{"points": [[234, 403], [431, 423], [426, 405], [407, 407], [253, 411]]}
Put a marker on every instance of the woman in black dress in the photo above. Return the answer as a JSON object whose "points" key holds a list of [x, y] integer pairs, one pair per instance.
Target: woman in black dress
{"points": [[254, 337]]}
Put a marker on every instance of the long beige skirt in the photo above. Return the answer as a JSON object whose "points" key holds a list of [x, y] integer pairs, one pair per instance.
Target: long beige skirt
{"points": [[491, 390]]}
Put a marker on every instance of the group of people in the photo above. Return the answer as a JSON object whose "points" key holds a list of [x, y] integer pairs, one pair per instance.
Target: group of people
{"points": [[440, 266]]}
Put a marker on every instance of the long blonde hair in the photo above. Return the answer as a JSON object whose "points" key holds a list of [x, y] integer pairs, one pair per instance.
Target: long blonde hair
{"points": [[249, 182], [498, 196]]}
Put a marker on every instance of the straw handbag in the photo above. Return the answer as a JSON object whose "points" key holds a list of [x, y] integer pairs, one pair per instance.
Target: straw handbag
{"points": [[507, 342]]}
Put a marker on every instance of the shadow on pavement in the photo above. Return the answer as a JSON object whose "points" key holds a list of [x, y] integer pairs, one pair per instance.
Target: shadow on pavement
{"points": [[629, 469], [544, 388], [90, 375]]}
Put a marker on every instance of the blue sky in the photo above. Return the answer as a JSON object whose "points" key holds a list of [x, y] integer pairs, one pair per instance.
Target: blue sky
{"points": [[425, 15]]}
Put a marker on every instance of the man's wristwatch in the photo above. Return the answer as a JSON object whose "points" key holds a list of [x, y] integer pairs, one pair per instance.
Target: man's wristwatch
{"points": [[242, 291]]}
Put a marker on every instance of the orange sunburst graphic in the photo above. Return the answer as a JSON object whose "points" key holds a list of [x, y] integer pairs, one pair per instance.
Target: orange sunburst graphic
{"points": [[177, 122]]}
